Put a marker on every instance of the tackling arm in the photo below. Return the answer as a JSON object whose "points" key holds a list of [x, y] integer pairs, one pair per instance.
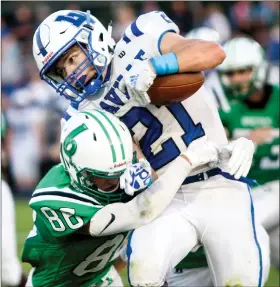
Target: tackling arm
{"points": [[143, 208], [146, 206]]}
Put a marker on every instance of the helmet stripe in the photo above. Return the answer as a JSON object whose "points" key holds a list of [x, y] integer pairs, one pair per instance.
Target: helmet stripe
{"points": [[115, 130], [42, 49], [105, 132]]}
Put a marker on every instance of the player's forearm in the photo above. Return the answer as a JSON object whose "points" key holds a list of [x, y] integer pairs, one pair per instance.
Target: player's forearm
{"points": [[199, 56], [145, 207], [193, 55]]}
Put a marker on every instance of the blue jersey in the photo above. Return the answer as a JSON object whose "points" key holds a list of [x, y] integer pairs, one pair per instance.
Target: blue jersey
{"points": [[162, 132]]}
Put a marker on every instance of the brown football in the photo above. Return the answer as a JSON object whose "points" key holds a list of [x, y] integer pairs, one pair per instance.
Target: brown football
{"points": [[175, 88]]}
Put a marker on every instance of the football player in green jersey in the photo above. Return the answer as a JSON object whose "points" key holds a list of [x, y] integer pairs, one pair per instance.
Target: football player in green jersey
{"points": [[81, 216], [245, 92]]}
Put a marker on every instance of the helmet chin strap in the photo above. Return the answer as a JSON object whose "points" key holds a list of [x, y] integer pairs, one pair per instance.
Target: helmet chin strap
{"points": [[111, 191], [93, 86]]}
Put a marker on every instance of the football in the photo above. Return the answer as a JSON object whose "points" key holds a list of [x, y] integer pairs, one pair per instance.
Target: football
{"points": [[175, 88]]}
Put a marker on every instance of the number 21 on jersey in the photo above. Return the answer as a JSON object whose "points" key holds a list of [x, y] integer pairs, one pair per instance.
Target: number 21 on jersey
{"points": [[155, 128]]}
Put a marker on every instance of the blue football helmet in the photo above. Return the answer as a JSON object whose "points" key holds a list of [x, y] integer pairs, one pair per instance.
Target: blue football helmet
{"points": [[56, 35]]}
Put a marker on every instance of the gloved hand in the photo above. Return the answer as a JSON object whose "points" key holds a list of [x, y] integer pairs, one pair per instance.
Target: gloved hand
{"points": [[202, 152], [136, 177], [138, 80], [240, 154]]}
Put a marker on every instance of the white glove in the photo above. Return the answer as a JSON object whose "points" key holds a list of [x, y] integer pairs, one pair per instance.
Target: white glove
{"points": [[202, 152], [136, 177], [240, 154], [138, 80]]}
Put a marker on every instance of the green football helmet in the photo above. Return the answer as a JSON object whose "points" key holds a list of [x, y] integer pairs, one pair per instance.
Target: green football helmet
{"points": [[243, 55], [96, 146]]}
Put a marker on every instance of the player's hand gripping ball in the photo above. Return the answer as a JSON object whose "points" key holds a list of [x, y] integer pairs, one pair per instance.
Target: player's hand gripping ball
{"points": [[136, 177], [145, 87], [138, 80]]}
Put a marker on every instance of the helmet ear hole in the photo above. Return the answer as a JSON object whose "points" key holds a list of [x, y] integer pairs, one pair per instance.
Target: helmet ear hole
{"points": [[101, 37]]}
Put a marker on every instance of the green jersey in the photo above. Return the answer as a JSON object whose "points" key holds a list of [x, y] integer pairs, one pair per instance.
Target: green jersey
{"points": [[60, 252], [244, 117]]}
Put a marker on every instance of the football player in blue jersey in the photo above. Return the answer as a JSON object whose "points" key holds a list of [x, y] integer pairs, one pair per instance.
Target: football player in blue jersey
{"points": [[77, 56]]}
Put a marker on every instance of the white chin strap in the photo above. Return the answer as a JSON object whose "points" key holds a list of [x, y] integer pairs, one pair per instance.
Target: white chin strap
{"points": [[111, 191]]}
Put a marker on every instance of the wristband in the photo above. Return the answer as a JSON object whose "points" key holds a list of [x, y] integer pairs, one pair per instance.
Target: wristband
{"points": [[166, 64]]}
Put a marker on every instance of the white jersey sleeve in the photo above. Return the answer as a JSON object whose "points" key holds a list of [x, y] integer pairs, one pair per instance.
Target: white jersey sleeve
{"points": [[147, 31], [153, 25]]}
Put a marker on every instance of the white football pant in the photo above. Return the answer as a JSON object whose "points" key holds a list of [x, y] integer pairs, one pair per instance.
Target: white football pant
{"points": [[266, 204], [217, 213]]}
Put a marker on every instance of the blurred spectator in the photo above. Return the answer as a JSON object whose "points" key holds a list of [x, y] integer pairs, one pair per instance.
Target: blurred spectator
{"points": [[41, 12], [73, 6], [198, 12], [50, 135], [12, 61], [240, 15], [124, 16], [24, 27], [5, 142], [149, 6], [23, 144], [217, 20], [273, 49], [264, 16], [182, 15], [51, 107], [24, 23], [265, 13], [27, 114], [255, 19]]}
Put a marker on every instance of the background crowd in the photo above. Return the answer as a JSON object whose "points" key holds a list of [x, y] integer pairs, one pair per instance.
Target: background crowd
{"points": [[31, 107]]}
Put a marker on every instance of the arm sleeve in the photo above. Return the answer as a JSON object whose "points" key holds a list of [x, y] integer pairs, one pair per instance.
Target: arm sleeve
{"points": [[145, 207]]}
